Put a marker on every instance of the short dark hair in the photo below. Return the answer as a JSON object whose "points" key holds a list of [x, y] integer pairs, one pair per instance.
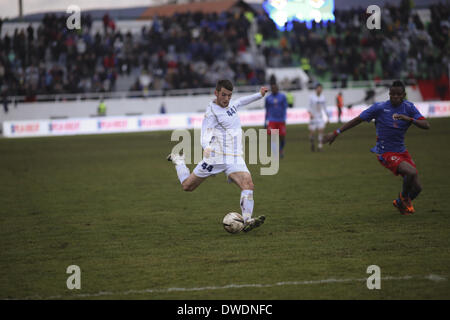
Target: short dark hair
{"points": [[398, 83], [224, 84], [273, 80]]}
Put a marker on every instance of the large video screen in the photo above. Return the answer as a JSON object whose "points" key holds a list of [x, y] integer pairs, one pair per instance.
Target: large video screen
{"points": [[283, 12]]}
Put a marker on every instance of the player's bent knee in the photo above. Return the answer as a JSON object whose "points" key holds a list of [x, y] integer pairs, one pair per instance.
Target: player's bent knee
{"points": [[248, 185]]}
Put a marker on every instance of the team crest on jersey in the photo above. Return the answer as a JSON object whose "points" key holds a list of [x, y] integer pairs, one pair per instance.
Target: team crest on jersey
{"points": [[394, 158]]}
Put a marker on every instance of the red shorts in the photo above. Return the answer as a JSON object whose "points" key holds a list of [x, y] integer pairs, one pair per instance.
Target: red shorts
{"points": [[277, 125], [391, 160]]}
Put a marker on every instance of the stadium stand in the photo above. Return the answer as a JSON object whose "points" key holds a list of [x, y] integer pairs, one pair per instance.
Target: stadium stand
{"points": [[180, 49], [348, 50]]}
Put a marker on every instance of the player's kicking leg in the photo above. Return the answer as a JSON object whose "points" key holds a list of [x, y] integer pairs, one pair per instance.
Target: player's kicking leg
{"points": [[244, 181], [411, 186], [189, 181]]}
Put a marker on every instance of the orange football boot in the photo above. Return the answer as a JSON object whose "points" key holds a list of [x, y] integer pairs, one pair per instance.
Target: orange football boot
{"points": [[401, 207], [407, 203]]}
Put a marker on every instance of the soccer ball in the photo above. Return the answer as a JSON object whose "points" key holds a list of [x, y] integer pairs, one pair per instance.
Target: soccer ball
{"points": [[233, 222]]}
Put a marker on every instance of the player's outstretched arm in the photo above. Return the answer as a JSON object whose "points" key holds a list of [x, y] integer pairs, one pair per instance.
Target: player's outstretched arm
{"points": [[331, 136], [251, 98], [421, 123]]}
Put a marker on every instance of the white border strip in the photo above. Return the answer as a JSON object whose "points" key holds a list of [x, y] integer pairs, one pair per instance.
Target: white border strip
{"points": [[431, 277]]}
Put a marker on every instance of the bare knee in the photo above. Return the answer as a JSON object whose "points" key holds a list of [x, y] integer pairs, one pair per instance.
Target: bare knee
{"points": [[248, 185], [242, 180]]}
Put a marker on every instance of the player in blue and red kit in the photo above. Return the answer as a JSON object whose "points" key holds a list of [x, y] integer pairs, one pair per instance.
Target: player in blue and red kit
{"points": [[276, 106], [392, 120]]}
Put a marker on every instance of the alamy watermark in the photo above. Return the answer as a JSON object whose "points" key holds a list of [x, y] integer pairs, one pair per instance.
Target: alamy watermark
{"points": [[74, 20], [74, 280], [374, 281], [374, 21], [228, 145]]}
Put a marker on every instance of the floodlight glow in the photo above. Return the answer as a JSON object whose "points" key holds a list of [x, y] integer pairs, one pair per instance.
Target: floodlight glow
{"points": [[286, 11], [280, 17], [317, 15]]}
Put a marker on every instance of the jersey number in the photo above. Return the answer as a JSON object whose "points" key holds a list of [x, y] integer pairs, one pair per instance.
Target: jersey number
{"points": [[206, 167], [231, 111]]}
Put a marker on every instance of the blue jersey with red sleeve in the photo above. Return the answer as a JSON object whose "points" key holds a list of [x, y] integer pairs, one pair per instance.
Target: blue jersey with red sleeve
{"points": [[276, 105], [390, 132]]}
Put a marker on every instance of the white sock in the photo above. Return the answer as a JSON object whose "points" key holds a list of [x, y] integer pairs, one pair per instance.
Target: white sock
{"points": [[247, 204], [320, 139], [182, 172]]}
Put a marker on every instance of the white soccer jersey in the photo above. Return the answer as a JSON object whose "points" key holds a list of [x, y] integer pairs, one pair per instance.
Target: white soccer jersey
{"points": [[221, 127], [317, 106]]}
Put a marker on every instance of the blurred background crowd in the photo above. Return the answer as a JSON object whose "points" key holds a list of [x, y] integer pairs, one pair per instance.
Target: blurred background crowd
{"points": [[194, 50]]}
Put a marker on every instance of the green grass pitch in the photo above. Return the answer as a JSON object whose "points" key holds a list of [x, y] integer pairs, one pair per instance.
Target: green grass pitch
{"points": [[112, 205]]}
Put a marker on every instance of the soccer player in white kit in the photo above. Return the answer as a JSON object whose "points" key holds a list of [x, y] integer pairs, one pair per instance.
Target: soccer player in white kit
{"points": [[316, 109], [221, 140]]}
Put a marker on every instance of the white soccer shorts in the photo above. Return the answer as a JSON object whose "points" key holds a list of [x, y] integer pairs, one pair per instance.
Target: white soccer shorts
{"points": [[316, 124], [206, 168]]}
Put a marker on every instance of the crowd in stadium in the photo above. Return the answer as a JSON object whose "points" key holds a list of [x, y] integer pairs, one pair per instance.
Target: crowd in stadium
{"points": [[347, 49], [194, 50]]}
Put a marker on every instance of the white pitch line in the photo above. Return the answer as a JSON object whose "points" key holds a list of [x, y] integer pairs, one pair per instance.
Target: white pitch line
{"points": [[431, 277]]}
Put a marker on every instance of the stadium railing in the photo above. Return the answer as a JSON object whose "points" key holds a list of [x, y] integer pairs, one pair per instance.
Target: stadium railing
{"points": [[188, 92]]}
